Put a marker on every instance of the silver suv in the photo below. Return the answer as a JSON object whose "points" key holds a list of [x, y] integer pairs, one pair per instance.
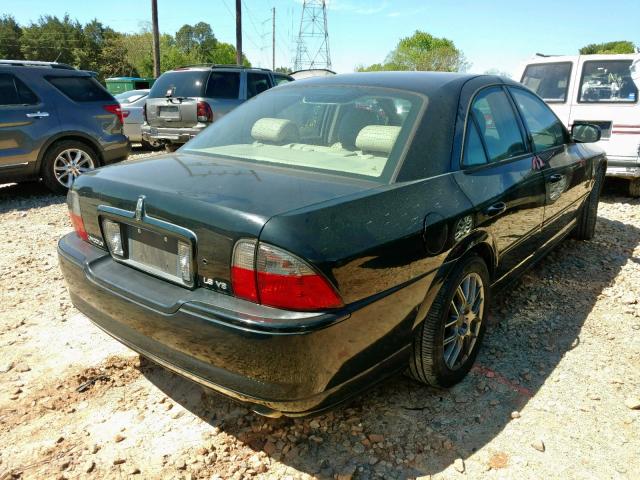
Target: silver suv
{"points": [[56, 122], [186, 100]]}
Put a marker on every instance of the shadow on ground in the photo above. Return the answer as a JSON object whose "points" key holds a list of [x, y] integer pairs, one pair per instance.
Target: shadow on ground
{"points": [[403, 429]]}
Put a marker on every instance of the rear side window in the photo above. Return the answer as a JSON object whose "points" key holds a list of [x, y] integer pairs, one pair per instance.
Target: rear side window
{"points": [[256, 83], [180, 83], [549, 80], [474, 153], [497, 124], [607, 81], [14, 92], [280, 79], [545, 128], [223, 85], [81, 89]]}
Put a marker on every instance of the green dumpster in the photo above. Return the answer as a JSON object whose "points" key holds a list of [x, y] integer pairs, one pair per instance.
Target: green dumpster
{"points": [[124, 84]]}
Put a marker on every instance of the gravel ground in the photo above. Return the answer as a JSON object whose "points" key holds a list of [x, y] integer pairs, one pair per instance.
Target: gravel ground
{"points": [[555, 393]]}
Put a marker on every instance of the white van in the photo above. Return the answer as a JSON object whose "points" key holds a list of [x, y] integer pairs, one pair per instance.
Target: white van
{"points": [[596, 89]]}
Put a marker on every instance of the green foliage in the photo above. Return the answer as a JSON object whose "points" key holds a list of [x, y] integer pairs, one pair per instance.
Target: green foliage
{"points": [[620, 46], [99, 48], [10, 33], [422, 51], [283, 70]]}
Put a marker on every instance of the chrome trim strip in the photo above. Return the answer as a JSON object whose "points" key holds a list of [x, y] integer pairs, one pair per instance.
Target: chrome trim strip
{"points": [[14, 165]]}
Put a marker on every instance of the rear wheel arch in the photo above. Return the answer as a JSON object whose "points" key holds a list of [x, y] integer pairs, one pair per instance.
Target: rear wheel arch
{"points": [[72, 136]]}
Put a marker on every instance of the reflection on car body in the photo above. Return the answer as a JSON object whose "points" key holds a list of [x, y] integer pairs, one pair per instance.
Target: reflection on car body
{"points": [[316, 239]]}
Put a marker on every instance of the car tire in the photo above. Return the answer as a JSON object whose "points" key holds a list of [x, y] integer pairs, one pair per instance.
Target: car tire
{"points": [[431, 361], [77, 156], [634, 188], [588, 214]]}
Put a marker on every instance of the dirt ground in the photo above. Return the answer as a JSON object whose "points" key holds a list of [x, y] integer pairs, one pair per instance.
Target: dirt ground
{"points": [[555, 393]]}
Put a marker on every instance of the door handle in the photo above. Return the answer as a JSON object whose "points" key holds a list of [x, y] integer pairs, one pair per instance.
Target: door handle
{"points": [[38, 115], [496, 209], [556, 177]]}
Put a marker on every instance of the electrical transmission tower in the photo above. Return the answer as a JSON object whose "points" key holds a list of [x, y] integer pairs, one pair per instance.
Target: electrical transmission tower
{"points": [[313, 37]]}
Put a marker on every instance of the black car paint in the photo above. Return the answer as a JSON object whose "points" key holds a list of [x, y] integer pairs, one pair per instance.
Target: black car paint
{"points": [[386, 248]]}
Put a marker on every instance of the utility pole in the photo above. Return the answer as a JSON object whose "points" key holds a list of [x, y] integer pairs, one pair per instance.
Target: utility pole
{"points": [[238, 32], [156, 38], [273, 39]]}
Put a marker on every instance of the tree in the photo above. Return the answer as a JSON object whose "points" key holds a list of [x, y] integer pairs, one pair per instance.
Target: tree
{"points": [[620, 46], [52, 39], [283, 70], [422, 51], [10, 33], [498, 72], [198, 40]]}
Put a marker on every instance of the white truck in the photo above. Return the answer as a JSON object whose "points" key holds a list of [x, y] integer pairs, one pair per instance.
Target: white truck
{"points": [[600, 90]]}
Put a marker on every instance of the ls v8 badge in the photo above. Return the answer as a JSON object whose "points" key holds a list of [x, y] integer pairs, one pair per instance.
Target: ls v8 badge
{"points": [[216, 284]]}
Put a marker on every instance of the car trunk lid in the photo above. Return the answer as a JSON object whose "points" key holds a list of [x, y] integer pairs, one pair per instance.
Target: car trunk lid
{"points": [[219, 201]]}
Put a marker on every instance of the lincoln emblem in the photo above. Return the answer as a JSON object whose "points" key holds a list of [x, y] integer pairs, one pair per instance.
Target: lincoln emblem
{"points": [[140, 208]]}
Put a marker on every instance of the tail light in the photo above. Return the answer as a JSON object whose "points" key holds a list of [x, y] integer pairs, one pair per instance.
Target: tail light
{"points": [[271, 276], [144, 112], [116, 110], [73, 202], [125, 113], [205, 114]]}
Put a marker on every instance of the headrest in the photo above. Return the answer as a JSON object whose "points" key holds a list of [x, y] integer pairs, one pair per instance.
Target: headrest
{"points": [[377, 138], [275, 130]]}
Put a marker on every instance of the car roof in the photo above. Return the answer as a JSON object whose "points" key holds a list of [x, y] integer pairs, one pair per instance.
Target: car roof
{"points": [[420, 82]]}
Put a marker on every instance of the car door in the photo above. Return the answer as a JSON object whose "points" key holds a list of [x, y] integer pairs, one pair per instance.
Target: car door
{"points": [[501, 179], [24, 123], [566, 173]]}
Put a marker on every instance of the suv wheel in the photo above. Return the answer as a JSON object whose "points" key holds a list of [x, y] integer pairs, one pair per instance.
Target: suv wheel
{"points": [[64, 162]]}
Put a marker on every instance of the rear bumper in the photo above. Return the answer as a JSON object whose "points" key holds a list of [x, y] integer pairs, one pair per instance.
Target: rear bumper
{"points": [[169, 134], [623, 167], [277, 362], [116, 151]]}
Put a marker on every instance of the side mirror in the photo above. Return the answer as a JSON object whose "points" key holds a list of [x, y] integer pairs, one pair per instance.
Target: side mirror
{"points": [[586, 133]]}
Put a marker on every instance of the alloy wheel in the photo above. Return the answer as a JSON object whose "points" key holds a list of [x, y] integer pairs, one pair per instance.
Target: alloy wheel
{"points": [[464, 320], [70, 164]]}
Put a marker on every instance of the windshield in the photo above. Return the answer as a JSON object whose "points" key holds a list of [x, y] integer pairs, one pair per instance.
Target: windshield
{"points": [[131, 96], [345, 130], [180, 83], [549, 80]]}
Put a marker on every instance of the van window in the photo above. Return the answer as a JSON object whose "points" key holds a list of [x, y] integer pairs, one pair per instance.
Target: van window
{"points": [[607, 81], [549, 80], [497, 124]]}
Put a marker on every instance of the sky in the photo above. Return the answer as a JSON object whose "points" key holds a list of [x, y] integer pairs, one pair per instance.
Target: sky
{"points": [[492, 34]]}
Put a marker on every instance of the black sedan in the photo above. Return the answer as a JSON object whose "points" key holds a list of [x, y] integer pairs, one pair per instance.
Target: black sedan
{"points": [[328, 234]]}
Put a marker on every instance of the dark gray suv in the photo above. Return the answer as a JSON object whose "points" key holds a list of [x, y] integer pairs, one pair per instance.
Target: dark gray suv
{"points": [[184, 101], [56, 122]]}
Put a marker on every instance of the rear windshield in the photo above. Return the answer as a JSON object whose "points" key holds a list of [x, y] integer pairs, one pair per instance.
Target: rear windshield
{"points": [[180, 83], [549, 80], [81, 89], [345, 130]]}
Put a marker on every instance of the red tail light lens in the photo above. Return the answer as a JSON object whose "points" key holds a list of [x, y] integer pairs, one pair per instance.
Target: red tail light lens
{"points": [[116, 110], [205, 114], [73, 202], [125, 113], [279, 279]]}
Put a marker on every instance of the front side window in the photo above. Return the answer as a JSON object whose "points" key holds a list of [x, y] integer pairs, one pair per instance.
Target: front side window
{"points": [[81, 89], [14, 92], [497, 124], [223, 85], [545, 128], [256, 83], [549, 80], [280, 79], [607, 81], [345, 130]]}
